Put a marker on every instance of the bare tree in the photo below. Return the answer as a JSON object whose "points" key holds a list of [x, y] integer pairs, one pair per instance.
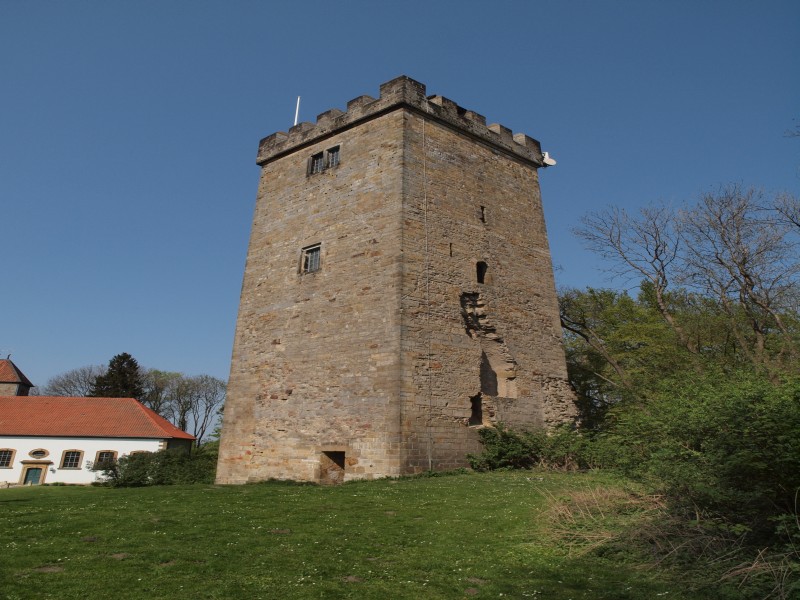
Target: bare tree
{"points": [[77, 382], [189, 403], [788, 208], [734, 246], [209, 398], [158, 390], [644, 246], [739, 253]]}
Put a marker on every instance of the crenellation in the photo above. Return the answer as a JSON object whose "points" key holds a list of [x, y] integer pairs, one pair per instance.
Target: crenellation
{"points": [[406, 93], [357, 104], [301, 129], [471, 115], [329, 115]]}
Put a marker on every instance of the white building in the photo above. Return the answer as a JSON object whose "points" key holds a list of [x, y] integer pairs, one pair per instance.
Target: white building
{"points": [[54, 439]]}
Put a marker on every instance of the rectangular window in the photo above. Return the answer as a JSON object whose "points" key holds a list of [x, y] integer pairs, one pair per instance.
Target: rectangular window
{"points": [[321, 161], [6, 456], [333, 157], [317, 164], [311, 257], [71, 459], [104, 457]]}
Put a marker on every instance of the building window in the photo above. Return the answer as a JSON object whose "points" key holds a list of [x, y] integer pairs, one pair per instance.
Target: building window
{"points": [[333, 157], [104, 458], [38, 453], [71, 459], [321, 161], [6, 458], [316, 163], [481, 268], [310, 259]]}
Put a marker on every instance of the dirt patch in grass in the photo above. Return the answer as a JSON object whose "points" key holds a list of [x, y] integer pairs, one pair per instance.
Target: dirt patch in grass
{"points": [[49, 569]]}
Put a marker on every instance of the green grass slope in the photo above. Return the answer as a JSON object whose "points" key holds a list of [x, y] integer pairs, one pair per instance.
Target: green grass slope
{"points": [[495, 535]]}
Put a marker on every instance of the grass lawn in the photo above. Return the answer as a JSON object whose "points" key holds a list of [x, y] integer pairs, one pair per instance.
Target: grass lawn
{"points": [[505, 534]]}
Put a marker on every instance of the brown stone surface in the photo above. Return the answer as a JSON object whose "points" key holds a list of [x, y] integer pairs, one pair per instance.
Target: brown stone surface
{"points": [[390, 357]]}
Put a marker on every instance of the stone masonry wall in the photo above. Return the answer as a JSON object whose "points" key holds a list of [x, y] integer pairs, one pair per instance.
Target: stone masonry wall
{"points": [[474, 354], [390, 357], [316, 356]]}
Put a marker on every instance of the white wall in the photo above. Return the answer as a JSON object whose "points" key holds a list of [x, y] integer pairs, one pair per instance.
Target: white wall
{"points": [[56, 447]]}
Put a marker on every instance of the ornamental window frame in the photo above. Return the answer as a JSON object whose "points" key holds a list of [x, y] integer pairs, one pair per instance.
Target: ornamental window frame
{"points": [[98, 460], [72, 456], [8, 461]]}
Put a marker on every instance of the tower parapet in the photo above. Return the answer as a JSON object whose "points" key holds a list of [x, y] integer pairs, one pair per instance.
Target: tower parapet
{"points": [[406, 93]]}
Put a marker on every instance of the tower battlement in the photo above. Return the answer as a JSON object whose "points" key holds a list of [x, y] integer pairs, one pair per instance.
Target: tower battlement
{"points": [[401, 92]]}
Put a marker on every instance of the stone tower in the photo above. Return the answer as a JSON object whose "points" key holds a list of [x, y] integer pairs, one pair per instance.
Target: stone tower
{"points": [[398, 295]]}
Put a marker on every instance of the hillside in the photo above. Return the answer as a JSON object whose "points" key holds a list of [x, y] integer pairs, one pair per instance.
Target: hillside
{"points": [[504, 534]]}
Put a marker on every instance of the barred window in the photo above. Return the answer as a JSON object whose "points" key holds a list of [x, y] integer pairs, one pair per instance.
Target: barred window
{"points": [[317, 163], [322, 161], [333, 157], [71, 459], [311, 256], [6, 456]]}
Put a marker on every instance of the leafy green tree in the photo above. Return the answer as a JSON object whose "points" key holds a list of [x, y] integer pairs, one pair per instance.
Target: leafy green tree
{"points": [[122, 379]]}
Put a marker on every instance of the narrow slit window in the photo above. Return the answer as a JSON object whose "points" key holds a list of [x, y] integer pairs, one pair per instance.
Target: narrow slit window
{"points": [[476, 410], [311, 259], [481, 269], [483, 214]]}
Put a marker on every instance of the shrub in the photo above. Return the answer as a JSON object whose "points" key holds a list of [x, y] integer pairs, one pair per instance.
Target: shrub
{"points": [[562, 449], [166, 467], [725, 445]]}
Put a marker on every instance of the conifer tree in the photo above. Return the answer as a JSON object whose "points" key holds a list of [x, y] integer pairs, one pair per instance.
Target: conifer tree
{"points": [[122, 380]]}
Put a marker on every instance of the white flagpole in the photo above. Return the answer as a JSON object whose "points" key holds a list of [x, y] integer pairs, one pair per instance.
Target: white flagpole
{"points": [[297, 110]]}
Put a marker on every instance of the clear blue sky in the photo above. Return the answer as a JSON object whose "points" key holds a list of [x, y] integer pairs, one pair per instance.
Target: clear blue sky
{"points": [[128, 135]]}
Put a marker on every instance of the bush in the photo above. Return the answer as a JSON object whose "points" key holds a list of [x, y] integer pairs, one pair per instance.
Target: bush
{"points": [[562, 448], [728, 446], [166, 467]]}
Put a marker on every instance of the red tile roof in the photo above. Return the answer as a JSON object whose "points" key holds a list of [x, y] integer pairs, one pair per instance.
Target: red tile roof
{"points": [[9, 373], [61, 416]]}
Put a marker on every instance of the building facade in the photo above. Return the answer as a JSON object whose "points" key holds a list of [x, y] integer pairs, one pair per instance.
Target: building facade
{"points": [[398, 295], [59, 439]]}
